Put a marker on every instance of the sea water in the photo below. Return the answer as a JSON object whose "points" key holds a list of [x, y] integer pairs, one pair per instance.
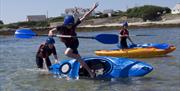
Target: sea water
{"points": [[18, 67]]}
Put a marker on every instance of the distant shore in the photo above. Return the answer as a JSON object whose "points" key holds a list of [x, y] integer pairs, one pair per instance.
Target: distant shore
{"points": [[138, 24], [108, 26]]}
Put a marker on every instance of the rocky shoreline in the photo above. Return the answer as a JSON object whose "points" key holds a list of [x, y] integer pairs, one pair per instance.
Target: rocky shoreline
{"points": [[108, 26]]}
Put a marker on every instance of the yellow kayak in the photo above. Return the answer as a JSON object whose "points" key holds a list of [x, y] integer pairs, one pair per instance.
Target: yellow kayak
{"points": [[136, 52]]}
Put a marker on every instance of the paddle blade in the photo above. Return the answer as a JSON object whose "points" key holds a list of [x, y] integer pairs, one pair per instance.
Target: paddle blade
{"points": [[107, 38], [24, 33]]}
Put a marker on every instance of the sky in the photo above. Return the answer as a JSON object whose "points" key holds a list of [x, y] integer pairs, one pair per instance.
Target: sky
{"points": [[16, 10]]}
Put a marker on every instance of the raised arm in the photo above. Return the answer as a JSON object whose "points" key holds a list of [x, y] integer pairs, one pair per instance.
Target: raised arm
{"points": [[51, 32], [87, 14]]}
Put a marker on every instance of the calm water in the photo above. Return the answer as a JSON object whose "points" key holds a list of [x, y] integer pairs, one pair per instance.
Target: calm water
{"points": [[18, 68]]}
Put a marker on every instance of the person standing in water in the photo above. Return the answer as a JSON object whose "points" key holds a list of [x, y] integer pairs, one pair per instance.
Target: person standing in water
{"points": [[43, 53], [69, 28], [123, 35]]}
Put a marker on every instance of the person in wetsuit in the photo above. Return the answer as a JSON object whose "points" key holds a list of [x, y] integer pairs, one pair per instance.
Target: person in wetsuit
{"points": [[124, 34], [69, 28], [43, 53]]}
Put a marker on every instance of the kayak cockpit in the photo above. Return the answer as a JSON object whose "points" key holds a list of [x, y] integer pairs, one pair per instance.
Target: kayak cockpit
{"points": [[99, 66]]}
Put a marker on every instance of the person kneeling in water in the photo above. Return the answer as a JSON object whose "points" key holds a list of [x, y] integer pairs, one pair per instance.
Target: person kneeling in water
{"points": [[43, 53]]}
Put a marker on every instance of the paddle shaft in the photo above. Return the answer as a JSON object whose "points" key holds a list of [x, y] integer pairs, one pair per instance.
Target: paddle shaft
{"points": [[142, 35], [103, 38], [68, 36]]}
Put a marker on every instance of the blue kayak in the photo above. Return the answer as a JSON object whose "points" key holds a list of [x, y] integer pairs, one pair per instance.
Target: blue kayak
{"points": [[146, 45], [103, 67]]}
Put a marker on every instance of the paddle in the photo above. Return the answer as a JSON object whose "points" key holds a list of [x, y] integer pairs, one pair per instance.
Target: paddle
{"points": [[103, 38], [142, 35]]}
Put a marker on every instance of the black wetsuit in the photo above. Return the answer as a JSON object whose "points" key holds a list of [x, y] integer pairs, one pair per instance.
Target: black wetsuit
{"points": [[72, 43], [123, 41], [44, 52]]}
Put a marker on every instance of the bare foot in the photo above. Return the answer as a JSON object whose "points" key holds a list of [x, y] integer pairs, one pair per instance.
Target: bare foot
{"points": [[67, 78], [92, 75]]}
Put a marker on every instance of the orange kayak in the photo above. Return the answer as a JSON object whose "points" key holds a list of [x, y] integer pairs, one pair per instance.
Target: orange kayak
{"points": [[136, 52]]}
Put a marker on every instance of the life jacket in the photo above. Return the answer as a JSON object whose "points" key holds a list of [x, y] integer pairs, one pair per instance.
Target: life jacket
{"points": [[44, 51]]}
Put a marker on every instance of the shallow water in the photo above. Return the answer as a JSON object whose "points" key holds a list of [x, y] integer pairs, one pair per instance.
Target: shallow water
{"points": [[18, 68]]}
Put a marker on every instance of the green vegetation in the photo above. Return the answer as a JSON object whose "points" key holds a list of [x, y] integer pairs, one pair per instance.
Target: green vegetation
{"points": [[1, 22], [98, 15], [56, 19], [1, 26], [148, 12], [102, 15], [31, 24], [118, 13]]}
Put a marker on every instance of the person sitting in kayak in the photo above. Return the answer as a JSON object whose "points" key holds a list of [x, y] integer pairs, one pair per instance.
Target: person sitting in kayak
{"points": [[43, 53], [123, 35], [68, 28]]}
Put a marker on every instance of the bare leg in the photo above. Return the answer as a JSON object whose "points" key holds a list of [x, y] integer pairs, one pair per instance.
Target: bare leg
{"points": [[69, 53]]}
